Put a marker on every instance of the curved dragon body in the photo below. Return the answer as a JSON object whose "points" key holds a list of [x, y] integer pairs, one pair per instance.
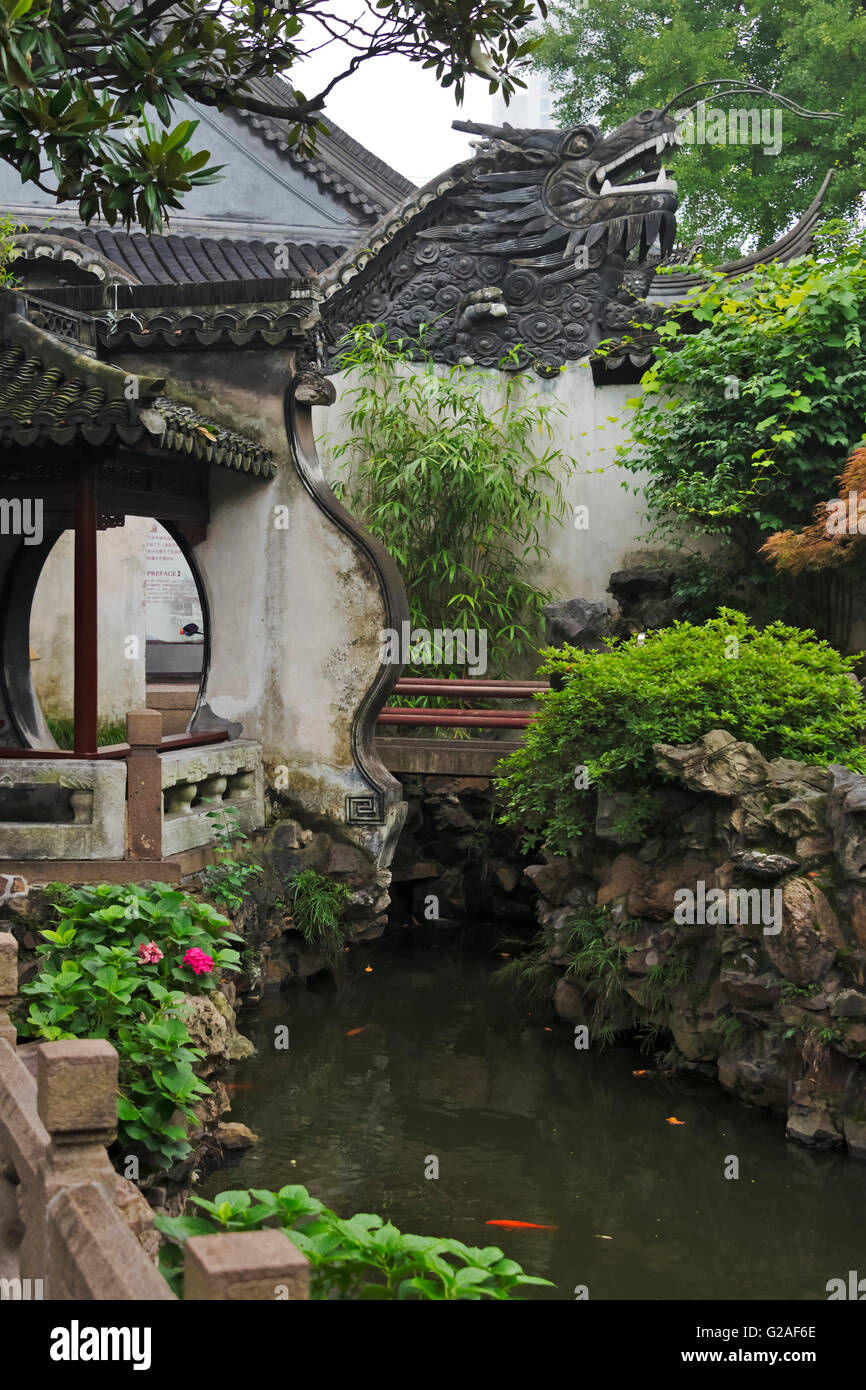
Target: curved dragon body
{"points": [[532, 252]]}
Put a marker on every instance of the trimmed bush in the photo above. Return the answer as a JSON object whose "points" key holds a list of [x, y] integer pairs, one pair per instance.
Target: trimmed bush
{"points": [[780, 689]]}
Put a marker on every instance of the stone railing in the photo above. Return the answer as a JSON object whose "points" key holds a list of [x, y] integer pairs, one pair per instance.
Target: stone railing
{"points": [[70, 808], [172, 792], [76, 1244]]}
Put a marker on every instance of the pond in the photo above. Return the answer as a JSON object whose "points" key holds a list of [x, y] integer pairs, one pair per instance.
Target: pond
{"points": [[417, 1055]]}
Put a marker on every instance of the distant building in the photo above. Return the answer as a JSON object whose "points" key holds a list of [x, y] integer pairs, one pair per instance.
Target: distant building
{"points": [[531, 108]]}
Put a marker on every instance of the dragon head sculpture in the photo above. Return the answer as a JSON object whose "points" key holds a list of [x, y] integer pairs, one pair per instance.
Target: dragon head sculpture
{"points": [[536, 249], [583, 189]]}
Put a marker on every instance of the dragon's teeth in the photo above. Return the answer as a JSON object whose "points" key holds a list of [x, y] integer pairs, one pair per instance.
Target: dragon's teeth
{"points": [[605, 187]]}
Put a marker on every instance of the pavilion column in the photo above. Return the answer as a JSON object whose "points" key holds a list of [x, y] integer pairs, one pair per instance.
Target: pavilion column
{"points": [[86, 658]]}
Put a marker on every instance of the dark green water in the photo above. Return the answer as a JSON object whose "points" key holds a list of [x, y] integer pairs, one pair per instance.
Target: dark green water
{"points": [[526, 1128]]}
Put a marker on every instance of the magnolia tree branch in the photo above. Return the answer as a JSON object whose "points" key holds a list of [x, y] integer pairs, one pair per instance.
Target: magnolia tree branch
{"points": [[73, 73]]}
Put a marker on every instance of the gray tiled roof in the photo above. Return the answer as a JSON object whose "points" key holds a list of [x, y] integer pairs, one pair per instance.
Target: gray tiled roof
{"points": [[53, 393], [159, 260]]}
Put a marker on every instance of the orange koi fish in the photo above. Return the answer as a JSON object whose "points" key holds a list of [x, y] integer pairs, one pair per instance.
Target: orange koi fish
{"points": [[521, 1226], [353, 1032], [672, 1120]]}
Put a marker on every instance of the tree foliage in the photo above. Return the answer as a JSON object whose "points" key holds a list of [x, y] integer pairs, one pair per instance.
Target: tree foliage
{"points": [[744, 425], [609, 59], [77, 78], [837, 534]]}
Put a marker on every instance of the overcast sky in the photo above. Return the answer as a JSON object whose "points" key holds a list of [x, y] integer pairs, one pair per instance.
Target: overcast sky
{"points": [[398, 110]]}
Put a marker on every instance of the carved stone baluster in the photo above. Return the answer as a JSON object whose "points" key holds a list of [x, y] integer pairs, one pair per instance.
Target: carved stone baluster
{"points": [[212, 789], [81, 802], [241, 785], [8, 983], [180, 797]]}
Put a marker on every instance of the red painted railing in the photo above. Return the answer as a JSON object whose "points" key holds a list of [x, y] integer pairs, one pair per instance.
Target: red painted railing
{"points": [[469, 690]]}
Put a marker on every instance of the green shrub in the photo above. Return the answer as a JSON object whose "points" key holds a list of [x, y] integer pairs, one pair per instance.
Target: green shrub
{"points": [[117, 966], [781, 690], [591, 954], [360, 1258], [227, 880], [317, 906]]}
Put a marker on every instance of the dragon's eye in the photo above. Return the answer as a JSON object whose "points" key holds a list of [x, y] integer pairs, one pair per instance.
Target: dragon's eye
{"points": [[647, 115], [579, 141]]}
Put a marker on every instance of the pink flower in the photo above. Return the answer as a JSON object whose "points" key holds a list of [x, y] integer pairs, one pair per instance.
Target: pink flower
{"points": [[200, 963], [149, 953]]}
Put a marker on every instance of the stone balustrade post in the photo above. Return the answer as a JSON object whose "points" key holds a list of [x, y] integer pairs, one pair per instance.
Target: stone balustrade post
{"points": [[76, 1097], [245, 1266], [144, 784], [8, 983]]}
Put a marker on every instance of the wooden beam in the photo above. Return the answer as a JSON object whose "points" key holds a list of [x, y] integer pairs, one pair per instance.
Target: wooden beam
{"points": [[86, 659]]}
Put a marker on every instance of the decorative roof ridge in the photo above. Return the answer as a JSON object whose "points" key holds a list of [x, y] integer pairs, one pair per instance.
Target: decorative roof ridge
{"points": [[53, 246], [337, 159], [185, 293], [795, 242], [261, 324], [53, 391], [388, 228], [22, 327]]}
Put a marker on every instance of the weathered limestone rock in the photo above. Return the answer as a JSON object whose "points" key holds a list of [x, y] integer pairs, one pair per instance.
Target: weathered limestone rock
{"points": [[552, 880], [846, 820], [757, 1071], [234, 1136], [644, 597], [717, 763], [647, 947], [568, 1002], [812, 847], [747, 990], [650, 891], [765, 865], [347, 862], [505, 874], [452, 814], [801, 816], [576, 622], [858, 914], [208, 1029], [796, 778], [805, 948], [552, 920], [854, 1130], [814, 1127], [694, 1024], [237, 1045], [612, 808], [849, 1003]]}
